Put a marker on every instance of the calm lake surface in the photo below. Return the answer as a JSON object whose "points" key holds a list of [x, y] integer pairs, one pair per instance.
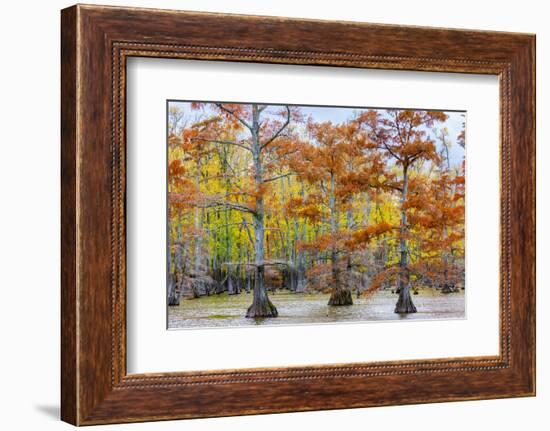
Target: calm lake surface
{"points": [[307, 308]]}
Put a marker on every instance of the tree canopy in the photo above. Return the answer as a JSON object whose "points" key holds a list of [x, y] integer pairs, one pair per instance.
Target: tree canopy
{"points": [[267, 197]]}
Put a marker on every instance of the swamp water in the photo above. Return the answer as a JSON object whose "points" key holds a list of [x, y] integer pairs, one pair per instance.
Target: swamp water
{"points": [[311, 308]]}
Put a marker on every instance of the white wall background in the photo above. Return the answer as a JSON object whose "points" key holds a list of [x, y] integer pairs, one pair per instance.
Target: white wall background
{"points": [[29, 216]]}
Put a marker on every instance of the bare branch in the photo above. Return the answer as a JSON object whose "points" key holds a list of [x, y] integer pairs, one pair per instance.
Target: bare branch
{"points": [[263, 263], [232, 205], [386, 146], [238, 223], [215, 141], [277, 262], [394, 187], [416, 156], [281, 157], [227, 175], [232, 113], [248, 233], [288, 174], [278, 132], [212, 202]]}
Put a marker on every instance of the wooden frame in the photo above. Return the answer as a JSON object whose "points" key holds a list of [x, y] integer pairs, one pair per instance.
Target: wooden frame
{"points": [[96, 41]]}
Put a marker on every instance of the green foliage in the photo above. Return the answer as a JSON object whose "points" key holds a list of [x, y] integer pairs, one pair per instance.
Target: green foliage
{"points": [[331, 194]]}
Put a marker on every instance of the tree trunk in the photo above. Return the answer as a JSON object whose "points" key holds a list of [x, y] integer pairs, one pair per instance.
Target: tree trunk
{"points": [[261, 305], [173, 294], [230, 287], [198, 225], [300, 254], [446, 288], [248, 274], [349, 226], [239, 273], [404, 302], [447, 253], [340, 295], [301, 273], [178, 254]]}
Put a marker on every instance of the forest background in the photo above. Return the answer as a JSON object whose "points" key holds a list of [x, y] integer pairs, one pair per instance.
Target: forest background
{"points": [[302, 198]]}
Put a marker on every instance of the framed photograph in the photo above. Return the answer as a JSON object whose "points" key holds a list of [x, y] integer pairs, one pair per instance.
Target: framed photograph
{"points": [[292, 214]]}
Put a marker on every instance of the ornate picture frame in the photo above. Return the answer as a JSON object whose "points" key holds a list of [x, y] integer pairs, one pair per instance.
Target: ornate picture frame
{"points": [[96, 41]]}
